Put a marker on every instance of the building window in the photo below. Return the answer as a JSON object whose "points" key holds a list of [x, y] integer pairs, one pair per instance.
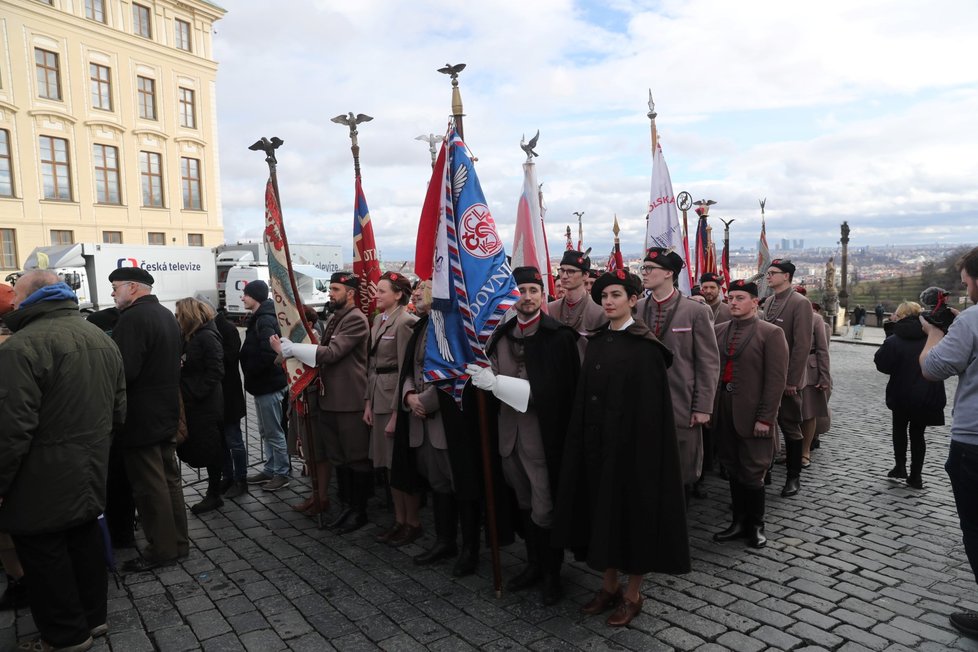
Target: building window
{"points": [[181, 29], [142, 21], [55, 169], [190, 173], [95, 10], [188, 109], [6, 173], [59, 237], [146, 91], [8, 249], [151, 171], [195, 239], [112, 237], [101, 81], [106, 161], [156, 238], [48, 78]]}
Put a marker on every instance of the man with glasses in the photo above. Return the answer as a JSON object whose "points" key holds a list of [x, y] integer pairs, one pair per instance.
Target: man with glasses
{"points": [[686, 327], [792, 313], [575, 308], [151, 345]]}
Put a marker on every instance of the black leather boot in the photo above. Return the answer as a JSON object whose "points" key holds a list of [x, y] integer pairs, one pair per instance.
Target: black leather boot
{"points": [[793, 462], [210, 502], [755, 516], [361, 488], [343, 488], [469, 517], [532, 573], [551, 560], [446, 519], [738, 528], [15, 597]]}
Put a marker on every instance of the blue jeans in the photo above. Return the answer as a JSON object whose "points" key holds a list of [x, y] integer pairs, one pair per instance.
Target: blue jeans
{"points": [[235, 455], [269, 409], [962, 468]]}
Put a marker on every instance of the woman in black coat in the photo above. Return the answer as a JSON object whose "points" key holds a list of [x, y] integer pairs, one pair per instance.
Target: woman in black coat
{"points": [[620, 505], [915, 402], [201, 376]]}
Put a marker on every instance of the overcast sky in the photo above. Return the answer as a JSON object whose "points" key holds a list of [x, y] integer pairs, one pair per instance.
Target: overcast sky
{"points": [[858, 110]]}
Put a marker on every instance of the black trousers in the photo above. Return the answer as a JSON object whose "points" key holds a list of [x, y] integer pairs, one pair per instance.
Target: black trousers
{"points": [[904, 421], [68, 581]]}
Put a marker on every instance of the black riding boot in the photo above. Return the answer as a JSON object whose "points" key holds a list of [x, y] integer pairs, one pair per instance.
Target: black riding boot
{"points": [[470, 518], [343, 489], [532, 572], [738, 528], [755, 516], [551, 560], [362, 487], [446, 518], [793, 461]]}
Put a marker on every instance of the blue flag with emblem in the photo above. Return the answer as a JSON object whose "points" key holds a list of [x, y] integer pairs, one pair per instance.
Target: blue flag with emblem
{"points": [[472, 284]]}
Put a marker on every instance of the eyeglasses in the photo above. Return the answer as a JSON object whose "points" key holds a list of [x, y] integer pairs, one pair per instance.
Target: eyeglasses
{"points": [[647, 269], [568, 270]]}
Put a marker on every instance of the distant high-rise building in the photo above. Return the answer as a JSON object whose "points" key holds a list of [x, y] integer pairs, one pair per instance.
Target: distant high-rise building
{"points": [[785, 244], [799, 244], [107, 124]]}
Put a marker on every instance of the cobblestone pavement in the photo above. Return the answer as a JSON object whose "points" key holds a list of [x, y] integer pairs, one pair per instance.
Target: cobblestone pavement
{"points": [[855, 562]]}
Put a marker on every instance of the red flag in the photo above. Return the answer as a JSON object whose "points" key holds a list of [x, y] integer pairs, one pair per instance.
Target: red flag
{"points": [[365, 262], [424, 249], [725, 263]]}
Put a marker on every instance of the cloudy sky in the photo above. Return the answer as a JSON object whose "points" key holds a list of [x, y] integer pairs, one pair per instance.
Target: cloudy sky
{"points": [[858, 110]]}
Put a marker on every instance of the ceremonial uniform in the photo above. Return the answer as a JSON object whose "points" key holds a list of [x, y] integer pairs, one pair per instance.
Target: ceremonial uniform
{"points": [[584, 315], [815, 402], [721, 311], [389, 338], [792, 313], [684, 326]]}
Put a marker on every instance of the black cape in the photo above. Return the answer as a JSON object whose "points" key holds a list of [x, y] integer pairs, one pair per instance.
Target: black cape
{"points": [[620, 503]]}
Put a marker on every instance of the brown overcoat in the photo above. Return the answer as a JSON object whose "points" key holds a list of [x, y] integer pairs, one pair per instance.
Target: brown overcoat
{"points": [[721, 312], [343, 361], [388, 342]]}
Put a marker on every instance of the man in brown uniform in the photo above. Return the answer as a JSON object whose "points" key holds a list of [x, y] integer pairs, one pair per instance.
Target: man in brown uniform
{"points": [[686, 328], [538, 355], [792, 313], [710, 290], [754, 355], [576, 308], [342, 360]]}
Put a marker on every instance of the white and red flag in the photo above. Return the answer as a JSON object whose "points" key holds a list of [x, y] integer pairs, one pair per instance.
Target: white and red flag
{"points": [[662, 225], [529, 243]]}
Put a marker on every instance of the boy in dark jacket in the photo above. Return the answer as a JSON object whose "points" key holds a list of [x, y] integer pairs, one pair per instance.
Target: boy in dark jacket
{"points": [[266, 381]]}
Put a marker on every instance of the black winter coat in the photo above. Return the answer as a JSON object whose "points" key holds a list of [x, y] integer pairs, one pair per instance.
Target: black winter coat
{"points": [[151, 345], [907, 390], [261, 374], [234, 402], [621, 503], [203, 398]]}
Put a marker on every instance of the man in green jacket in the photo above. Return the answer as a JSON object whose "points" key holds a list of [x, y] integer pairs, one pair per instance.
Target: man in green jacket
{"points": [[61, 391]]}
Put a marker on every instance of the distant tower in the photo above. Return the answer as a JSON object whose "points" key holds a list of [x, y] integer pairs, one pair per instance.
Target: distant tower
{"points": [[843, 292]]}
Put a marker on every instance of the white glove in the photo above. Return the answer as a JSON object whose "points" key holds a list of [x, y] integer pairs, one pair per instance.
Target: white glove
{"points": [[482, 377], [514, 392], [304, 353], [287, 347]]}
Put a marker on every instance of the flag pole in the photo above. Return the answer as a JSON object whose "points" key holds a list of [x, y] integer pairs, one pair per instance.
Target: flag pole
{"points": [[497, 569], [268, 146], [725, 258]]}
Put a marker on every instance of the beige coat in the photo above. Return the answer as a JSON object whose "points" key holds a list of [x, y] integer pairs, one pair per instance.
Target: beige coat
{"points": [[431, 425], [792, 313], [343, 362], [388, 344], [686, 328]]}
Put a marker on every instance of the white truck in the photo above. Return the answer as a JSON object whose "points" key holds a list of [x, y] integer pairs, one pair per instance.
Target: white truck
{"points": [[178, 272], [312, 282]]}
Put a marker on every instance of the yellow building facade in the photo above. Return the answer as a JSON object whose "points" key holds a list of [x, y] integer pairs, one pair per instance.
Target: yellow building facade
{"points": [[108, 128]]}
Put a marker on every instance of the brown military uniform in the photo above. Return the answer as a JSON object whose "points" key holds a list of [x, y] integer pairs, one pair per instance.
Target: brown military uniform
{"points": [[792, 313], [685, 327], [815, 402], [388, 343], [342, 360], [584, 316], [721, 312], [758, 356]]}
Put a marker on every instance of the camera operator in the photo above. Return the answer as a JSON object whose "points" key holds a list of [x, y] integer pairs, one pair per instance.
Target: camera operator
{"points": [[942, 357]]}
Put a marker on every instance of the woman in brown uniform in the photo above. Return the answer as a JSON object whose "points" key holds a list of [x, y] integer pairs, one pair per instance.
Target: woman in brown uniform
{"points": [[389, 338]]}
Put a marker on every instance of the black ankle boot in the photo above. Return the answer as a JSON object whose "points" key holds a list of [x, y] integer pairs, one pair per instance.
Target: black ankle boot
{"points": [[210, 502], [754, 500], [532, 573], [793, 463], [469, 518], [361, 485], [898, 471], [446, 519], [343, 490], [551, 560]]}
